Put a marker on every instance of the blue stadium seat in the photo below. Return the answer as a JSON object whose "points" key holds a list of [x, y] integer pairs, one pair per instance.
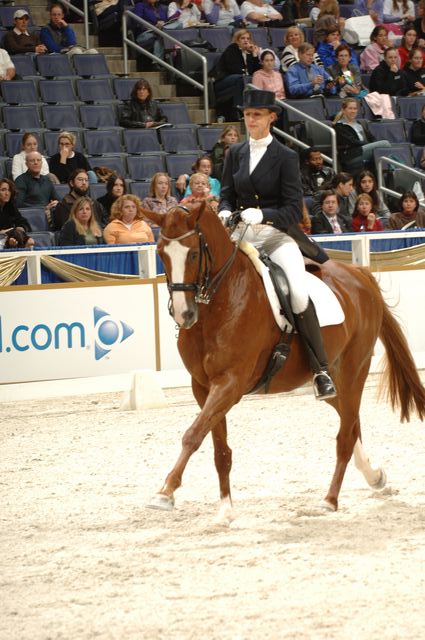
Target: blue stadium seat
{"points": [[19, 92], [218, 37], [140, 189], [277, 37], [178, 164], [57, 116], [57, 91], [143, 167], [43, 238], [97, 143], [178, 140], [391, 130], [91, 65], [55, 65], [208, 136], [25, 65], [21, 117], [402, 152], [182, 35], [123, 87], [98, 116], [141, 140], [115, 163], [95, 90], [177, 113], [37, 218], [313, 107], [62, 190], [97, 190], [260, 37], [410, 107], [332, 106], [346, 10]]}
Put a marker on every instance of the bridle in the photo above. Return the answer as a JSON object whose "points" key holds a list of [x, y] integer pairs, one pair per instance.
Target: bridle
{"points": [[205, 286]]}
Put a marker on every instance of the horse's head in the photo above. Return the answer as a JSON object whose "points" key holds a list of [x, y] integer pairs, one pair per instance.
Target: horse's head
{"points": [[186, 257]]}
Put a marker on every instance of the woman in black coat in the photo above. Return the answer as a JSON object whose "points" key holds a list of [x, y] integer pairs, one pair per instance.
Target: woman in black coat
{"points": [[387, 76], [261, 180], [354, 141], [13, 226], [115, 187], [413, 74], [82, 228], [239, 60], [141, 112]]}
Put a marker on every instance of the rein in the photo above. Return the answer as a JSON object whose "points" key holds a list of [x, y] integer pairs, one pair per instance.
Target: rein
{"points": [[205, 287]]}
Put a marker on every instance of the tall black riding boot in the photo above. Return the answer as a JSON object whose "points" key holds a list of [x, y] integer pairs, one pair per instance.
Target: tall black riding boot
{"points": [[309, 330]]}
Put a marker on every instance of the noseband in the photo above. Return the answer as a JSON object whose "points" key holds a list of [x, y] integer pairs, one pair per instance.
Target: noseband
{"points": [[205, 286]]}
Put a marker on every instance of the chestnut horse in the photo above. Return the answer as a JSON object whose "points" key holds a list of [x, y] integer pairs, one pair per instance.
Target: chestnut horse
{"points": [[228, 331]]}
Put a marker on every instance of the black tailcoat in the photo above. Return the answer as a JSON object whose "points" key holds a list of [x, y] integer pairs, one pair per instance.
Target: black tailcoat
{"points": [[274, 186]]}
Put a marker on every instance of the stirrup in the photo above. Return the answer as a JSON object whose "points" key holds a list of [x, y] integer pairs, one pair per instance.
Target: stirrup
{"points": [[323, 386]]}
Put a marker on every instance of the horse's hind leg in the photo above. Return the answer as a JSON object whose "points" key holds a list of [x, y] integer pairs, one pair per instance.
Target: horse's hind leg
{"points": [[347, 404], [376, 478]]}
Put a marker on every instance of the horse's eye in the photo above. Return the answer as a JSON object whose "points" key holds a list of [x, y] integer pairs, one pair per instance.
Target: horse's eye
{"points": [[193, 255]]}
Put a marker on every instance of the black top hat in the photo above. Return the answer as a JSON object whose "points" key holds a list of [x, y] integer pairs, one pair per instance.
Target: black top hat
{"points": [[257, 99]]}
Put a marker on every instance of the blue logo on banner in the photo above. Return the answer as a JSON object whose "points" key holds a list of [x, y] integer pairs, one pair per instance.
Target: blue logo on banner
{"points": [[108, 332]]}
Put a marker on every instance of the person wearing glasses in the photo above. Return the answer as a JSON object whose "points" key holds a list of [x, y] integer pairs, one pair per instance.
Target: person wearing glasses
{"points": [[78, 188], [19, 39]]}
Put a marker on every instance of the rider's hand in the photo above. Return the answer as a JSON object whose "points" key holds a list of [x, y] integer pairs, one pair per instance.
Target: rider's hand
{"points": [[252, 216], [224, 215]]}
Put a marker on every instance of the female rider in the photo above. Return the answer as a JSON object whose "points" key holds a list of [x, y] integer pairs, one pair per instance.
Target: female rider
{"points": [[261, 179]]}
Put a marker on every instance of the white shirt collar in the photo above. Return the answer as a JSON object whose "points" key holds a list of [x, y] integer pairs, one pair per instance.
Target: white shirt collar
{"points": [[261, 143]]}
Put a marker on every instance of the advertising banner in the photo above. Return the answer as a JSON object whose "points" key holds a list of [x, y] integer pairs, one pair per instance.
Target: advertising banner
{"points": [[76, 331]]}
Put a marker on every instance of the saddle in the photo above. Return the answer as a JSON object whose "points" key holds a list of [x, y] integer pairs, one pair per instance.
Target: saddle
{"points": [[277, 288]]}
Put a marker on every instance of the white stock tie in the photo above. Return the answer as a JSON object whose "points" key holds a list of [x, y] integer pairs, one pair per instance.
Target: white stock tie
{"points": [[257, 148]]}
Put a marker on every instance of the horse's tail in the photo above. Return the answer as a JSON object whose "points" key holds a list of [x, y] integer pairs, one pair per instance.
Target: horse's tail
{"points": [[400, 381]]}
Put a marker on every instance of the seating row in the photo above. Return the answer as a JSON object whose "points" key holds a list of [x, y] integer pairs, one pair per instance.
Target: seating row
{"points": [[56, 65], [89, 116], [128, 141], [135, 167]]}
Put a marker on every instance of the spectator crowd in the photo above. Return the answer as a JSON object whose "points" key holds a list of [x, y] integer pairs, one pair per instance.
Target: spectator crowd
{"points": [[319, 57]]}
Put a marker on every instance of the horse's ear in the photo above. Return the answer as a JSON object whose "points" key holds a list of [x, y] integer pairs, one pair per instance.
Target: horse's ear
{"points": [[196, 210], [158, 218]]}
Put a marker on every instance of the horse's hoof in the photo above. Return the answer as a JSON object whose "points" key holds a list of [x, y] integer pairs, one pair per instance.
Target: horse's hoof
{"points": [[380, 484], [161, 502], [328, 506]]}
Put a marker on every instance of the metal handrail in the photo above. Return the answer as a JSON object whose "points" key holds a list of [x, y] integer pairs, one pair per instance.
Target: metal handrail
{"points": [[164, 35], [304, 116], [381, 185], [83, 14]]}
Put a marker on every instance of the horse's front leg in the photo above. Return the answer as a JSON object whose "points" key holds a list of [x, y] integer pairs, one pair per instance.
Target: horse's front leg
{"points": [[223, 394], [222, 458]]}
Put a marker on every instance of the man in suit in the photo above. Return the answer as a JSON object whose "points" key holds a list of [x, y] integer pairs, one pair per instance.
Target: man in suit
{"points": [[261, 179], [328, 220]]}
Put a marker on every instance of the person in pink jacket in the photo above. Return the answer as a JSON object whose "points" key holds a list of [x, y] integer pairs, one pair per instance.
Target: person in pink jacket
{"points": [[267, 78], [374, 52]]}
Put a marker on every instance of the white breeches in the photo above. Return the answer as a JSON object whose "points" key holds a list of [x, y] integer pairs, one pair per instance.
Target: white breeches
{"points": [[283, 250]]}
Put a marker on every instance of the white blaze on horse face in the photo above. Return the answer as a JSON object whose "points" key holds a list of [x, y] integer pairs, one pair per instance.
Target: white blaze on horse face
{"points": [[177, 254]]}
